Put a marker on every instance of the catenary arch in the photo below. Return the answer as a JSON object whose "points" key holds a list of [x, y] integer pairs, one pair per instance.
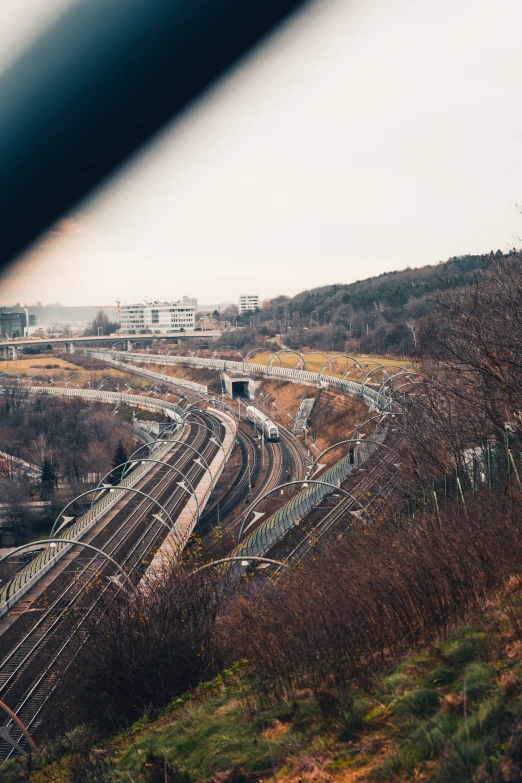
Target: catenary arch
{"points": [[227, 348], [301, 483], [357, 441], [198, 454], [334, 358], [118, 489], [278, 355]]}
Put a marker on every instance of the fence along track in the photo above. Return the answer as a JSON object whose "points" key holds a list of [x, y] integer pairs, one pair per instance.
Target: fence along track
{"points": [[32, 703], [24, 580], [13, 590], [353, 388], [266, 535], [292, 512], [149, 374], [329, 520]]}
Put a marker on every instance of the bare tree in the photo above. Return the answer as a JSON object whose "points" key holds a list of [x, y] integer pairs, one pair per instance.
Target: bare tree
{"points": [[412, 326]]}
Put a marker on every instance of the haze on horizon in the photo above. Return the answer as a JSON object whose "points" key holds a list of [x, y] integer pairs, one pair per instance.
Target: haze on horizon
{"points": [[365, 136]]}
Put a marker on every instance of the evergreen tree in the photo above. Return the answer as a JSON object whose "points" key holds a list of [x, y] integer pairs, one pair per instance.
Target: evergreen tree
{"points": [[48, 479], [120, 456]]}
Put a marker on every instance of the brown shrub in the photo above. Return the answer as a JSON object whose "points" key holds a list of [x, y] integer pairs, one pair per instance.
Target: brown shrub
{"points": [[360, 600]]}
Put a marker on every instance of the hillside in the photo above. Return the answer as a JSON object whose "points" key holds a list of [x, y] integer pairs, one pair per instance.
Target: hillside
{"points": [[378, 314], [445, 712]]}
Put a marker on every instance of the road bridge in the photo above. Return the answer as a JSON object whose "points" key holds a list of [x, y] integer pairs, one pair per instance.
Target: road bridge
{"points": [[14, 347]]}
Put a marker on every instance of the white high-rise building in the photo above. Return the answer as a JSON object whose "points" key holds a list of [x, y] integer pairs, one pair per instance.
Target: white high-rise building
{"points": [[248, 302], [157, 318], [190, 300]]}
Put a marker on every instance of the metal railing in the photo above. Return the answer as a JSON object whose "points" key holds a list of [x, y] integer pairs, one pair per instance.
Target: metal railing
{"points": [[353, 388], [292, 512], [101, 395], [13, 590], [146, 359]]}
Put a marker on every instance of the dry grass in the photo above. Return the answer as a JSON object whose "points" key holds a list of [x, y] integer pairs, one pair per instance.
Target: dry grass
{"points": [[333, 418], [209, 378], [30, 365], [314, 362]]}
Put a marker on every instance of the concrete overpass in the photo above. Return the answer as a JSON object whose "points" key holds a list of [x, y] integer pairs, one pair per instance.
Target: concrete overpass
{"points": [[69, 343]]}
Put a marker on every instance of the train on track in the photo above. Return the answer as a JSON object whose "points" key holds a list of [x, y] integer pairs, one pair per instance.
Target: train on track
{"points": [[262, 421]]}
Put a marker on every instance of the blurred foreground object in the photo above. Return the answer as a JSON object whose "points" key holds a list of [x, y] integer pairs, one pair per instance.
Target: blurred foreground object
{"points": [[97, 85]]}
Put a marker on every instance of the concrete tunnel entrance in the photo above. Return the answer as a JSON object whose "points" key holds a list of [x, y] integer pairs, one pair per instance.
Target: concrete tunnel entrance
{"points": [[236, 384]]}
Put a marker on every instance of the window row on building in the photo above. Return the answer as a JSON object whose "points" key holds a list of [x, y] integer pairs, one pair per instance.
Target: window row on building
{"points": [[157, 317]]}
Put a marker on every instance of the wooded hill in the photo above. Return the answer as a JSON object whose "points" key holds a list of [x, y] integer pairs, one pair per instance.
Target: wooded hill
{"points": [[378, 314]]}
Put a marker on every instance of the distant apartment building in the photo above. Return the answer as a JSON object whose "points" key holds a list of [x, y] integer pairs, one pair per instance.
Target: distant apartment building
{"points": [[157, 318], [189, 300], [14, 325], [246, 303]]}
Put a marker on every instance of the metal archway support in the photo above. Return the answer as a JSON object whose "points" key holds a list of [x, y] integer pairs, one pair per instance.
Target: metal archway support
{"points": [[380, 415], [392, 398], [23, 729], [201, 347], [72, 542], [106, 378], [317, 353], [357, 441], [261, 350], [392, 377], [225, 423], [227, 348], [385, 367], [244, 558], [71, 375], [297, 353], [195, 424], [347, 495], [122, 489], [213, 400], [102, 485], [181, 443], [333, 358], [355, 363], [41, 374], [376, 366]]}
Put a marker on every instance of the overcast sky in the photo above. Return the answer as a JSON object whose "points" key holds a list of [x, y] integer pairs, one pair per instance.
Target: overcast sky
{"points": [[366, 136]]}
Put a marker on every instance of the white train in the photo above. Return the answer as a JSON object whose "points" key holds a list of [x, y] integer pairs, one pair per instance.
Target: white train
{"points": [[263, 422]]}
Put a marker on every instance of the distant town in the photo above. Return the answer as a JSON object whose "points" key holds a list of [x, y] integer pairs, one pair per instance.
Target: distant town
{"points": [[148, 317]]}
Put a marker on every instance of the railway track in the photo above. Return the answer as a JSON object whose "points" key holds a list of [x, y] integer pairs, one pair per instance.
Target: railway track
{"points": [[61, 611], [360, 490], [233, 496], [285, 460]]}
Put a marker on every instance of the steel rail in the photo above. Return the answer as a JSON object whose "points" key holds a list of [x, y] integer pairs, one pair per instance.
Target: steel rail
{"points": [[111, 488], [138, 510], [206, 465], [118, 489], [137, 544], [357, 441], [328, 520], [300, 483], [70, 542]]}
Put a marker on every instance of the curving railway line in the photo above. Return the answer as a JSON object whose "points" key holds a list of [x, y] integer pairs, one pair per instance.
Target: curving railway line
{"points": [[285, 460], [376, 483], [51, 629], [50, 626]]}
